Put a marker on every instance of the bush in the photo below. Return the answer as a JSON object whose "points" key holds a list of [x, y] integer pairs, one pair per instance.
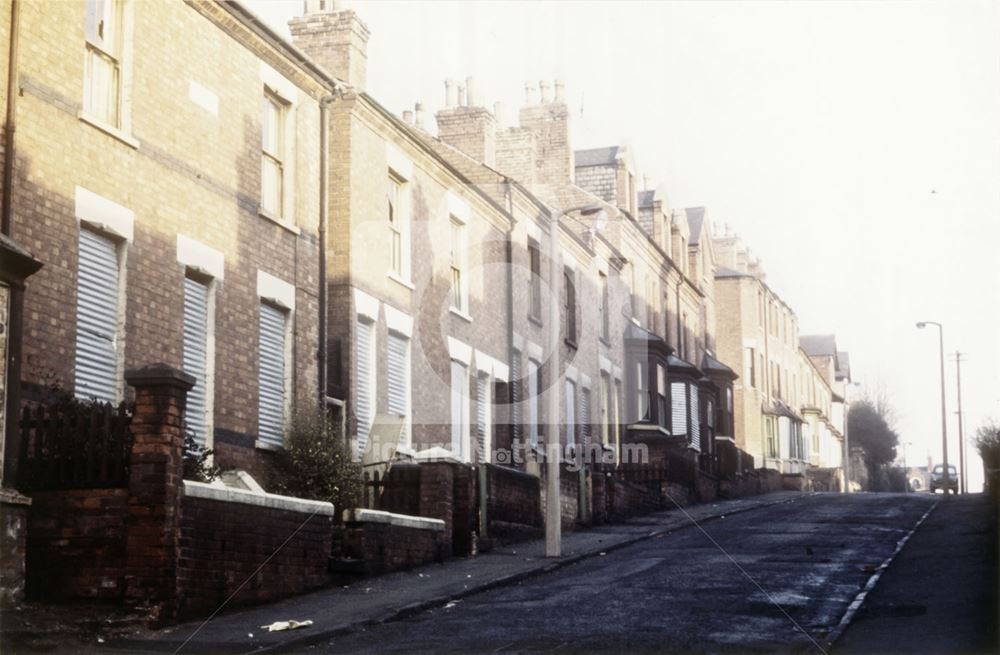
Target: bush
{"points": [[198, 464], [987, 442], [316, 463]]}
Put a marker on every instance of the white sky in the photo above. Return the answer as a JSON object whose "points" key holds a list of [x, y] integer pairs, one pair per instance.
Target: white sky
{"points": [[816, 130]]}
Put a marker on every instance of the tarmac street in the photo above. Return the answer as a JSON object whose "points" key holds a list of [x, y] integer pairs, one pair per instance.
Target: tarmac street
{"points": [[779, 578]]}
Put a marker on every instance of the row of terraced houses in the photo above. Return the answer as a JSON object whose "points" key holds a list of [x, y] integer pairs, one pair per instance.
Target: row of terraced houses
{"points": [[200, 192]]}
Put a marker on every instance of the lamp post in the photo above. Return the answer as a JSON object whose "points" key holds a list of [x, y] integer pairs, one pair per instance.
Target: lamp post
{"points": [[553, 510], [944, 415]]}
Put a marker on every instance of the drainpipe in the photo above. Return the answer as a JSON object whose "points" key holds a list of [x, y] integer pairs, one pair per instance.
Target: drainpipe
{"points": [[10, 119], [324, 211], [509, 199]]}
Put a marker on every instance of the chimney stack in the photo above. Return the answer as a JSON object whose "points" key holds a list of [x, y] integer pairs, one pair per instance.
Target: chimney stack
{"points": [[335, 38], [550, 143], [466, 127]]}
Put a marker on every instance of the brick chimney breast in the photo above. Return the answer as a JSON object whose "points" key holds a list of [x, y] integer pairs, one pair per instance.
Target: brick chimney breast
{"points": [[336, 39]]}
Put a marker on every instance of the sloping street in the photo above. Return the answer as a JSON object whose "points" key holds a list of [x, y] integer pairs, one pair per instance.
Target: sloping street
{"points": [[777, 578]]}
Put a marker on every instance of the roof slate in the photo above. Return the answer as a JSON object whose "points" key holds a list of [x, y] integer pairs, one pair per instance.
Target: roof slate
{"points": [[819, 345], [595, 156]]}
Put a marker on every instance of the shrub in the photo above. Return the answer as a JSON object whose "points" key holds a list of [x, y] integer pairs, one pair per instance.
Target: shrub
{"points": [[316, 463], [198, 464]]}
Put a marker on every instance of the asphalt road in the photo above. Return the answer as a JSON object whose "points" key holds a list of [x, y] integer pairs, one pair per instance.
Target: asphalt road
{"points": [[774, 579], [940, 594]]}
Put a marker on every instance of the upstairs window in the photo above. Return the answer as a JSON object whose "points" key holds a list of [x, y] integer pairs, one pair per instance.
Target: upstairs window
{"points": [[395, 216], [102, 98], [570, 302], [535, 285], [272, 192], [459, 292], [605, 306]]}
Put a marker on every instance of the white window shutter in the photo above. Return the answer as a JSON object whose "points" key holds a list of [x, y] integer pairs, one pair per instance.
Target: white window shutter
{"points": [[97, 319], [695, 418], [363, 384], [515, 392], [585, 416], [196, 356], [271, 382], [397, 387], [678, 408], [483, 403]]}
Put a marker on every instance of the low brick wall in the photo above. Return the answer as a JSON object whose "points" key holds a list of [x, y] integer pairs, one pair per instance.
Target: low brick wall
{"points": [[770, 480], [707, 487], [392, 542], [13, 540], [76, 544], [226, 534], [514, 502]]}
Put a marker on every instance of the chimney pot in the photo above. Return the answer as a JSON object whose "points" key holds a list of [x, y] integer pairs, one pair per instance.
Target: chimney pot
{"points": [[530, 94], [450, 93], [560, 91], [408, 116], [500, 114], [546, 92], [418, 115], [471, 98], [461, 96]]}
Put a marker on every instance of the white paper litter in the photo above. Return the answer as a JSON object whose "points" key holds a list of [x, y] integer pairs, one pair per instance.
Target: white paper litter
{"points": [[278, 626]]}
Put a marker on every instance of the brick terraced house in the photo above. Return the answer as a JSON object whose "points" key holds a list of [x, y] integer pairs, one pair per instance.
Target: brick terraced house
{"points": [[176, 207], [264, 225]]}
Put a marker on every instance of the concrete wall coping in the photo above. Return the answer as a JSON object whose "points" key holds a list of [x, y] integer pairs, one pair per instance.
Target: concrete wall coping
{"points": [[359, 515], [272, 501]]}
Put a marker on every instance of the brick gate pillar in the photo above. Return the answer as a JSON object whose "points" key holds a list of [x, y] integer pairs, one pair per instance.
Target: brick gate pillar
{"points": [[156, 470]]}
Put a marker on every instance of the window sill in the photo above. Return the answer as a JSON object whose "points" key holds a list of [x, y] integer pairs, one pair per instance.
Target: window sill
{"points": [[263, 213], [110, 130], [399, 280], [263, 445], [459, 313]]}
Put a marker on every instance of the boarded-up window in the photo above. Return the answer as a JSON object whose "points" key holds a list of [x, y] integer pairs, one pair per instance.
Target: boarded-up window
{"points": [[271, 380], [196, 356], [398, 383], [678, 408], [97, 316], [364, 383]]}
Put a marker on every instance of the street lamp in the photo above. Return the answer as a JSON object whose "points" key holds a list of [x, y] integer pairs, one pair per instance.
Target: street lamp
{"points": [[944, 415], [553, 511]]}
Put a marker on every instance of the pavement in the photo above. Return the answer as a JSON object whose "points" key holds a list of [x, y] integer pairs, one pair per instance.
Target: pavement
{"points": [[940, 594], [393, 597]]}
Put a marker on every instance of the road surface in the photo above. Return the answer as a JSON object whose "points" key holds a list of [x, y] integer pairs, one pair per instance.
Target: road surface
{"points": [[774, 579]]}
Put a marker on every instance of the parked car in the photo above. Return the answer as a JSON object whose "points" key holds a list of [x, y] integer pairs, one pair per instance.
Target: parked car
{"points": [[937, 478]]}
